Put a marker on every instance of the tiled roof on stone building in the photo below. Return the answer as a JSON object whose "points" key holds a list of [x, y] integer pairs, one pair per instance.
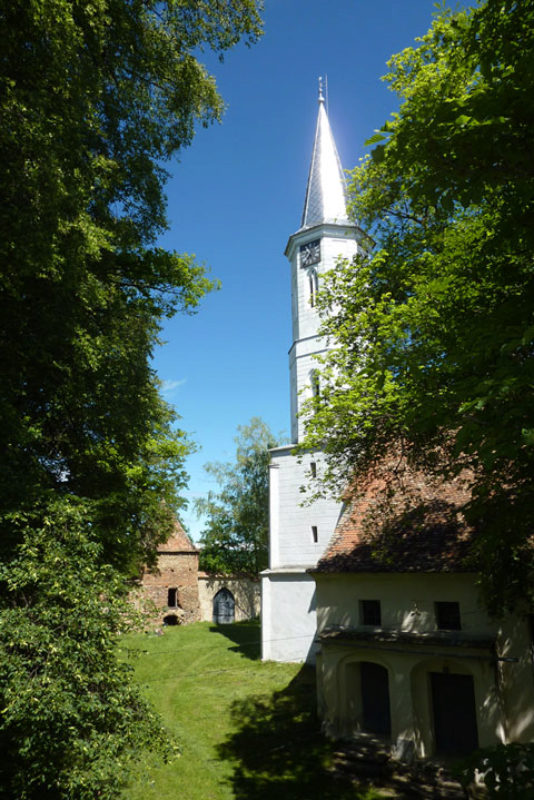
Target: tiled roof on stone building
{"points": [[178, 542], [402, 520]]}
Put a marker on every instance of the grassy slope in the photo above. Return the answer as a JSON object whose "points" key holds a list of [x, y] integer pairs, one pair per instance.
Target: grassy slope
{"points": [[246, 729]]}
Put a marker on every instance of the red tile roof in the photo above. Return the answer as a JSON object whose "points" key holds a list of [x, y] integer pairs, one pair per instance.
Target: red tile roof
{"points": [[402, 520], [178, 542]]}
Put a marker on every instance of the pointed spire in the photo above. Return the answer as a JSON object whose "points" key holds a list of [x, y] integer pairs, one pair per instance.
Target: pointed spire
{"points": [[326, 194]]}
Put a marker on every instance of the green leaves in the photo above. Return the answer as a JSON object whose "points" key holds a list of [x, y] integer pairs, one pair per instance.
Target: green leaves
{"points": [[375, 138], [507, 770], [433, 328], [95, 97], [69, 715], [235, 539]]}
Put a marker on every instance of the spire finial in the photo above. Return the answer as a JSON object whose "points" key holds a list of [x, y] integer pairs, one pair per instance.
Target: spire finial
{"points": [[326, 190]]}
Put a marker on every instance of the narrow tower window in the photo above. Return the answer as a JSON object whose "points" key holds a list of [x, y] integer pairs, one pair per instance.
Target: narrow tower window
{"points": [[313, 469], [315, 385], [172, 598], [314, 285], [315, 534]]}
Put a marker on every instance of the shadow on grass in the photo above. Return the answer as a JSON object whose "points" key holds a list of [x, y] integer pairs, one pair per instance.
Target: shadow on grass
{"points": [[246, 635], [278, 751]]}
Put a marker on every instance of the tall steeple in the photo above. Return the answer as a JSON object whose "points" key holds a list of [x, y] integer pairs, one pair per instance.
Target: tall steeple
{"points": [[299, 533], [326, 193], [326, 234]]}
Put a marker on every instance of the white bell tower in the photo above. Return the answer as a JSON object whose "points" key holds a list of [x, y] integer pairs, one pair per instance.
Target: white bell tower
{"points": [[299, 534], [325, 235]]}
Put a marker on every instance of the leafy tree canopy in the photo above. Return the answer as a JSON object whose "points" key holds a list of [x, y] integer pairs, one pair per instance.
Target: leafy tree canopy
{"points": [[236, 536], [435, 327], [71, 721], [94, 97]]}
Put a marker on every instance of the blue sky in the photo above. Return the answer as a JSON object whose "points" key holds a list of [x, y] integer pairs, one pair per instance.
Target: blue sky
{"points": [[237, 195]]}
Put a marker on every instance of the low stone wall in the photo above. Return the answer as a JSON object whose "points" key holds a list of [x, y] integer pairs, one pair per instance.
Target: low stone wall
{"points": [[246, 592]]}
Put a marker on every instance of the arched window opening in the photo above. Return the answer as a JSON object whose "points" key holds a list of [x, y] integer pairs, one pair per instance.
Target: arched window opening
{"points": [[223, 607]]}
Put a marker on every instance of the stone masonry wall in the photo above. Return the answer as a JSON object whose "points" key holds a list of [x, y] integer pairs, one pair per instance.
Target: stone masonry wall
{"points": [[175, 571]]}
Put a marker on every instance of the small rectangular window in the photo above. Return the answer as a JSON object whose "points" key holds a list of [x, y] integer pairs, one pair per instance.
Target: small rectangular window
{"points": [[448, 616], [313, 469], [315, 535], [172, 598], [370, 613]]}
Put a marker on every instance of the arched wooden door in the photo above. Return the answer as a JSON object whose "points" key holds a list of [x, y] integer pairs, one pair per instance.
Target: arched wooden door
{"points": [[223, 607]]}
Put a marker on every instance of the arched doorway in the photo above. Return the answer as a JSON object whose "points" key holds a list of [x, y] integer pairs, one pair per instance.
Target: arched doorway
{"points": [[223, 607], [366, 698], [374, 682]]}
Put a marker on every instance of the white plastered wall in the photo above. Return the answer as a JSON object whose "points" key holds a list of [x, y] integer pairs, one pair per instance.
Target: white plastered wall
{"points": [[288, 616], [291, 522], [288, 592], [504, 690]]}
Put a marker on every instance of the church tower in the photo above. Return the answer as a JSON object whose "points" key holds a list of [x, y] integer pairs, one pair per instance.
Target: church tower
{"points": [[325, 234], [299, 534]]}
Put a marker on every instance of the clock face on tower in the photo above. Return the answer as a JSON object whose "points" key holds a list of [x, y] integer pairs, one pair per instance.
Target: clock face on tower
{"points": [[310, 253]]}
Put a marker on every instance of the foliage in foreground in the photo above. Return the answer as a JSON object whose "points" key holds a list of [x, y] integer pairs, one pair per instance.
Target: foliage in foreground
{"points": [[235, 539], [94, 98], [70, 719], [507, 770], [434, 329]]}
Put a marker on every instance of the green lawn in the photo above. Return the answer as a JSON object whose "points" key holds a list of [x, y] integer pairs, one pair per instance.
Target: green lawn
{"points": [[246, 729]]}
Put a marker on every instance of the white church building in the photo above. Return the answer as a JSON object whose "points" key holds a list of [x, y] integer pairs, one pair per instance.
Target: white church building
{"points": [[299, 534], [404, 648]]}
